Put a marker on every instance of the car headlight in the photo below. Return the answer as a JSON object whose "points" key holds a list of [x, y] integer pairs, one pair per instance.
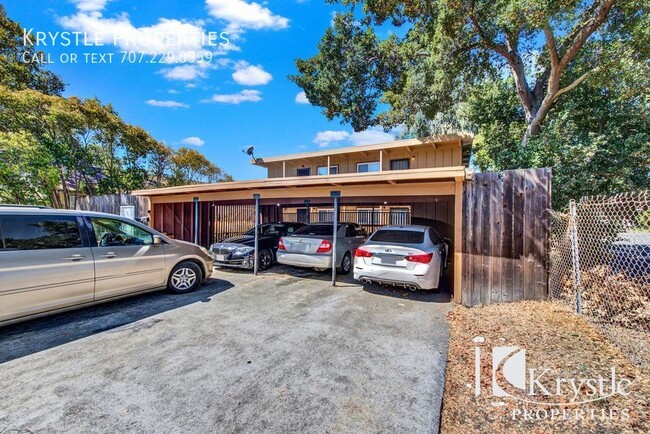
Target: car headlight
{"points": [[207, 253], [243, 251]]}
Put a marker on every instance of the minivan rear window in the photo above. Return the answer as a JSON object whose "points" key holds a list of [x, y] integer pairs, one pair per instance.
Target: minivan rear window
{"points": [[28, 232], [397, 236], [324, 230]]}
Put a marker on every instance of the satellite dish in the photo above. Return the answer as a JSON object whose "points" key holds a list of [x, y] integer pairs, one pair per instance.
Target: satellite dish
{"points": [[249, 151]]}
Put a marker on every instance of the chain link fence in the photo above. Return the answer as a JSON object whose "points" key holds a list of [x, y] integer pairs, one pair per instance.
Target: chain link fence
{"points": [[600, 267]]}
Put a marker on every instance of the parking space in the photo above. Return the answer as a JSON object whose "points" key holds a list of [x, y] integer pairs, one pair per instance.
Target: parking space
{"points": [[277, 352]]}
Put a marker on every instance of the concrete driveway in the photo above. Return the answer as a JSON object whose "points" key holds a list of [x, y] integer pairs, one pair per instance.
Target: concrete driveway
{"points": [[280, 352]]}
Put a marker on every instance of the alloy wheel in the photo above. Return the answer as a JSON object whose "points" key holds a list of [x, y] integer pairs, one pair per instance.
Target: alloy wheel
{"points": [[346, 263], [265, 260], [183, 278]]}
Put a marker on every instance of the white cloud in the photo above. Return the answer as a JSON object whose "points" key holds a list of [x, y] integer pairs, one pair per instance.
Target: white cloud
{"points": [[251, 75], [301, 98], [371, 136], [176, 40], [237, 98], [325, 138], [241, 14], [185, 72], [173, 91], [193, 141], [193, 71], [90, 5], [167, 103]]}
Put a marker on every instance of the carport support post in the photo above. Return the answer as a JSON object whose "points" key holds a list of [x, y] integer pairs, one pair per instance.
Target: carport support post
{"points": [[196, 220], [307, 203], [458, 240], [335, 223], [257, 225]]}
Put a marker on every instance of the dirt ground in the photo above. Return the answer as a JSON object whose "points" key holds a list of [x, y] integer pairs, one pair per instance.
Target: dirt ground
{"points": [[553, 339]]}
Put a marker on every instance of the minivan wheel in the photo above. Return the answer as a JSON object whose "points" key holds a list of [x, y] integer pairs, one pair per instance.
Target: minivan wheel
{"points": [[265, 260], [185, 277], [346, 264]]}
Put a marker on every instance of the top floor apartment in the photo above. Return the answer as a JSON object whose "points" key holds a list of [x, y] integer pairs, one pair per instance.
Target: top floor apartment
{"points": [[441, 151]]}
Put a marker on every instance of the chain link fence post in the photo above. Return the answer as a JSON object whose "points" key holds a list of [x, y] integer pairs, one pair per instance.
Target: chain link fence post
{"points": [[575, 255]]}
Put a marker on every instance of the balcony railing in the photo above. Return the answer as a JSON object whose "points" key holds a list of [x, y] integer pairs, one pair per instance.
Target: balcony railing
{"points": [[369, 220]]}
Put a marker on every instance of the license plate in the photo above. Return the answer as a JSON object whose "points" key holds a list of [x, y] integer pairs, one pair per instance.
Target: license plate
{"points": [[221, 258], [389, 259], [300, 247]]}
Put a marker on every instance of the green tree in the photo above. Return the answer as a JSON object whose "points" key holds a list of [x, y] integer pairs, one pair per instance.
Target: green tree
{"points": [[597, 141], [449, 47], [26, 175], [189, 166], [159, 163], [17, 74]]}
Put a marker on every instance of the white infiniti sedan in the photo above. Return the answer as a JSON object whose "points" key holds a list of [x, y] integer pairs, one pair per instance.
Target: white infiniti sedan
{"points": [[409, 256]]}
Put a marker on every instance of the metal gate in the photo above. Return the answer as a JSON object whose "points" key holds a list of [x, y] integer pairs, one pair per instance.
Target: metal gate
{"points": [[231, 220]]}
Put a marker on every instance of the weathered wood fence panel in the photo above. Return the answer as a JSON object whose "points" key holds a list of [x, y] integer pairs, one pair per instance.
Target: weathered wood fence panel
{"points": [[506, 228], [175, 220], [111, 203]]}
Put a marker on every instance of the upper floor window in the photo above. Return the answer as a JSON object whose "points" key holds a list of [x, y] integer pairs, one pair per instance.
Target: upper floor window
{"points": [[322, 170], [401, 164], [372, 166], [303, 171]]}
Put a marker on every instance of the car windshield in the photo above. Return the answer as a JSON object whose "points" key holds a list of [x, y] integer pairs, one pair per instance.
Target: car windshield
{"points": [[397, 236], [324, 230], [265, 230]]}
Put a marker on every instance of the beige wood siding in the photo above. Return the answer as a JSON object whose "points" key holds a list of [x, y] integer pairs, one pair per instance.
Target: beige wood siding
{"points": [[421, 157]]}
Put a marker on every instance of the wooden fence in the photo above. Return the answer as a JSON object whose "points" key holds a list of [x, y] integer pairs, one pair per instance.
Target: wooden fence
{"points": [[111, 203], [506, 227]]}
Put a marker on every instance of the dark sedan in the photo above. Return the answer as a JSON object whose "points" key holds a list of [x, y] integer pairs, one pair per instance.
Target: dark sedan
{"points": [[238, 251]]}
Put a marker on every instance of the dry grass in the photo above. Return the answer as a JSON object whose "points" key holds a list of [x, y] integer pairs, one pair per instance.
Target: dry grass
{"points": [[612, 297], [553, 338]]}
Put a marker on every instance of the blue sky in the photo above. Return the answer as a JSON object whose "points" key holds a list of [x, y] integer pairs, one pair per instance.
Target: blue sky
{"points": [[241, 97]]}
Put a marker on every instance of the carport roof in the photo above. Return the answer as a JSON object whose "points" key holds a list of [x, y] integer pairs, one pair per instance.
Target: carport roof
{"points": [[384, 177]]}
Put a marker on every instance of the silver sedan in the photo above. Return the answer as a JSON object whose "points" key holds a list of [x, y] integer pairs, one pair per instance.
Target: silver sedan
{"points": [[311, 246]]}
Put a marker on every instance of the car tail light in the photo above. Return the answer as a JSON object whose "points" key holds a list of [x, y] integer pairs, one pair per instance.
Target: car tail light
{"points": [[325, 246], [424, 258], [281, 245], [361, 253]]}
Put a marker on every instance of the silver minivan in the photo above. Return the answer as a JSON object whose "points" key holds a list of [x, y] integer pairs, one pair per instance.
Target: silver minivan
{"points": [[53, 260]]}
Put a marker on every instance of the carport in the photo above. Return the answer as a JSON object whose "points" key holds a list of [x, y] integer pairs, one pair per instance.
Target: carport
{"points": [[434, 196]]}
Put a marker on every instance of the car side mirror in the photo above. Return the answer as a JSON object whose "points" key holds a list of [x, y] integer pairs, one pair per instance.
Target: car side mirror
{"points": [[157, 240]]}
